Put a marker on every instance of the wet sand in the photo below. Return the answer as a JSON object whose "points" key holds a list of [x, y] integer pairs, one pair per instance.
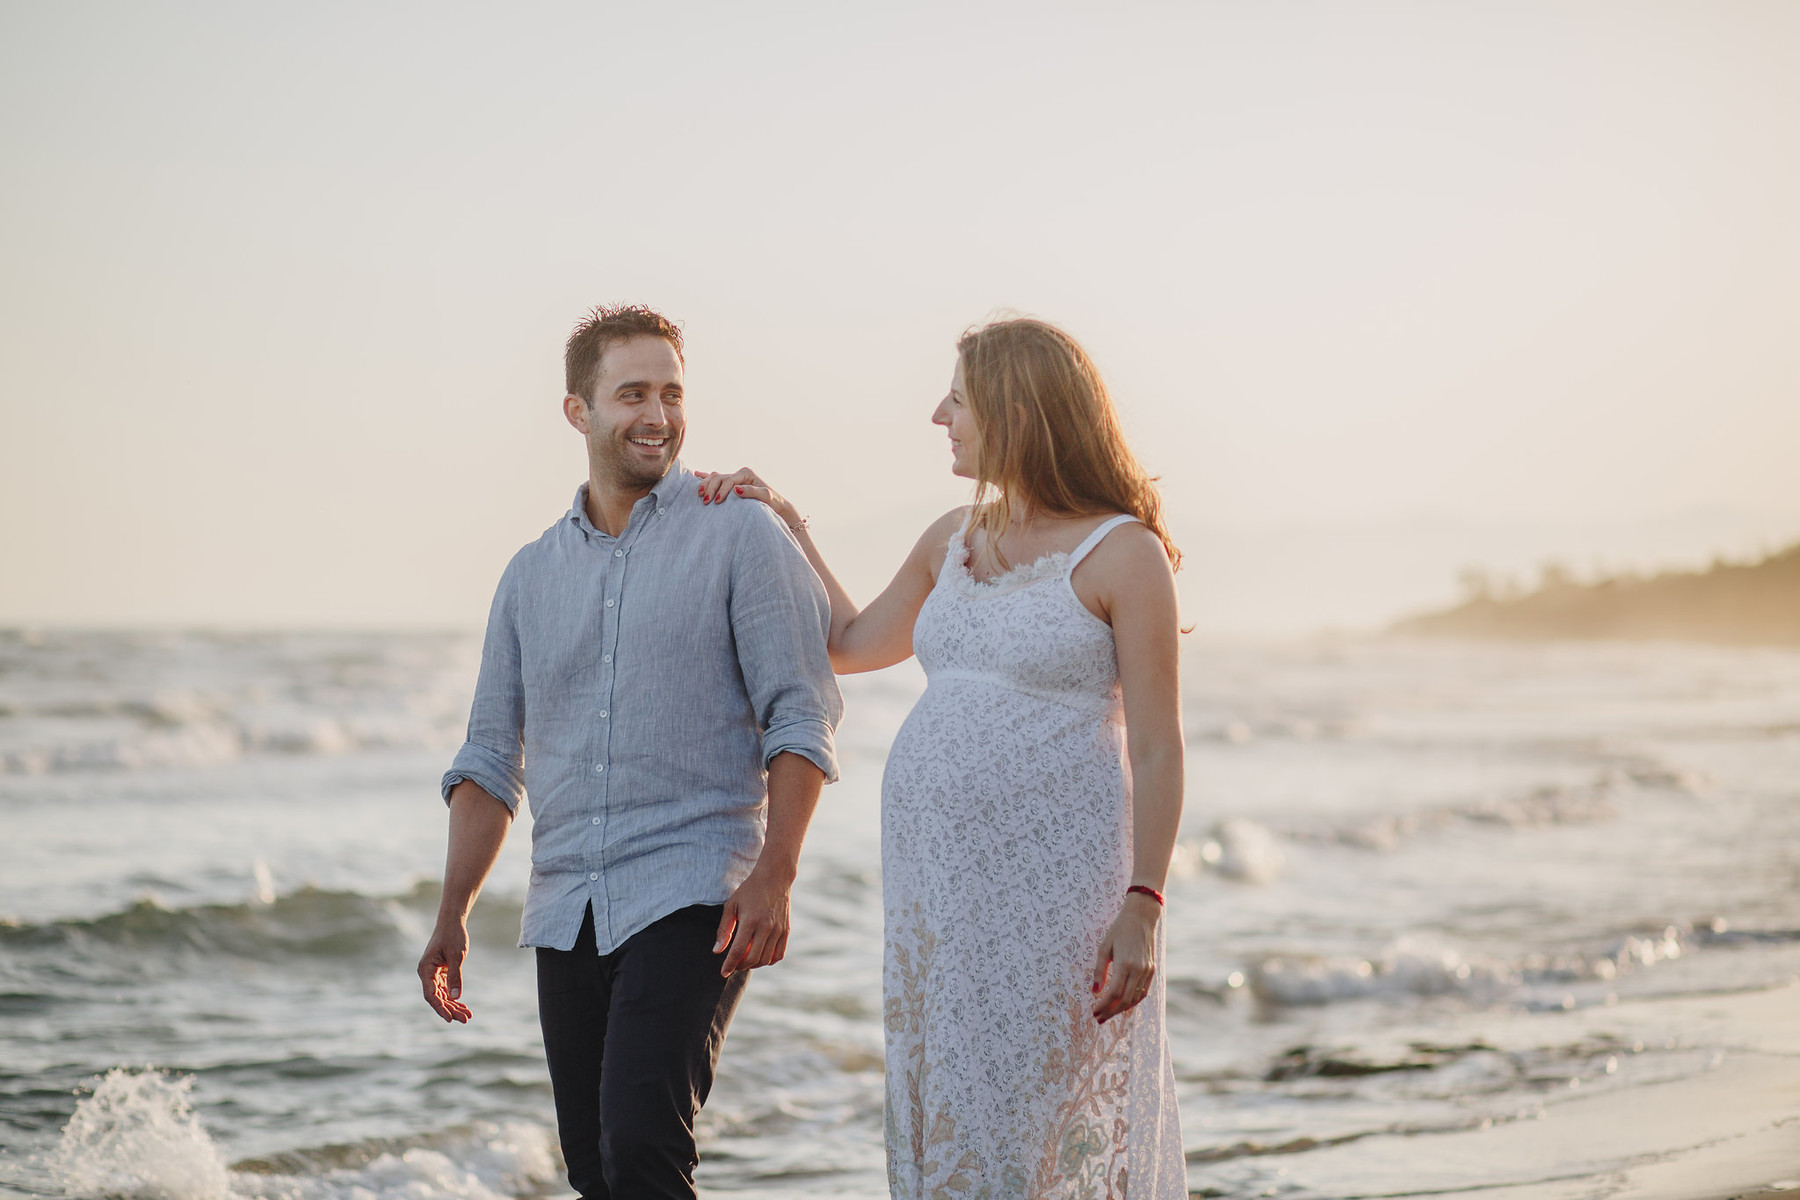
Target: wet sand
{"points": [[1732, 1129]]}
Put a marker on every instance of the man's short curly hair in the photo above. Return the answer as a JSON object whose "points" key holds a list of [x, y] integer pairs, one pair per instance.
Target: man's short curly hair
{"points": [[602, 327]]}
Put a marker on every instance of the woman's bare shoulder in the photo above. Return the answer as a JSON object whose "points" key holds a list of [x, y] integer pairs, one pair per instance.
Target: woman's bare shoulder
{"points": [[1131, 549], [941, 529], [934, 543]]}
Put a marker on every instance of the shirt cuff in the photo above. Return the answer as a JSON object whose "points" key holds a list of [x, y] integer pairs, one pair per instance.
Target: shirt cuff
{"points": [[487, 770], [811, 739]]}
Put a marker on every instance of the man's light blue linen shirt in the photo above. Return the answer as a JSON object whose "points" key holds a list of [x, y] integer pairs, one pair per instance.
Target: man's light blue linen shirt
{"points": [[635, 688]]}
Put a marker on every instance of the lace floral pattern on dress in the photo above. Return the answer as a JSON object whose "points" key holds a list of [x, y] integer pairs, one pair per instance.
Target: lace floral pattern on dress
{"points": [[1006, 848], [963, 578]]}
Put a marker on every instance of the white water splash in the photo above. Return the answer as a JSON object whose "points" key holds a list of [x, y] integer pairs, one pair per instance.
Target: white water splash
{"points": [[1241, 849], [137, 1138]]}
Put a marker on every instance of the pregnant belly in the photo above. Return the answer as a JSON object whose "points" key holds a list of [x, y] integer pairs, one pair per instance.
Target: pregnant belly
{"points": [[976, 755], [995, 804]]}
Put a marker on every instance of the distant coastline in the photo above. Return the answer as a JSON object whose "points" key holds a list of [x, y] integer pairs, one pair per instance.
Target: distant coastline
{"points": [[1755, 603]]}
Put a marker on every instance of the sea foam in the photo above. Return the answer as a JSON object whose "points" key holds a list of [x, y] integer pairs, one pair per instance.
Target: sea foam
{"points": [[137, 1138], [484, 1162]]}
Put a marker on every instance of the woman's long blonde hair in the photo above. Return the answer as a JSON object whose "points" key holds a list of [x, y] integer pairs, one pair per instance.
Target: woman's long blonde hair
{"points": [[1050, 436]]}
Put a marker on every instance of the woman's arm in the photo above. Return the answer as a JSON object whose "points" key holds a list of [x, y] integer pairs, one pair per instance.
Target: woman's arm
{"points": [[861, 639], [1137, 589]]}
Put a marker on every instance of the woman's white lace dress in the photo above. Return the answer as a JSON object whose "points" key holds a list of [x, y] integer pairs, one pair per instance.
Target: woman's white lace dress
{"points": [[1006, 851]]}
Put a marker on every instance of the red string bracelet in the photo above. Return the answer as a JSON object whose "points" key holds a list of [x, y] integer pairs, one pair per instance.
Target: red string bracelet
{"points": [[1147, 890]]}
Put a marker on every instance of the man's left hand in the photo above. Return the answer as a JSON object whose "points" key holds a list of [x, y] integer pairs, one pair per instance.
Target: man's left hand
{"points": [[755, 923]]}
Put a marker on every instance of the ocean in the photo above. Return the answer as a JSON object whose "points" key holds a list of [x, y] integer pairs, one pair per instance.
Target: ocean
{"points": [[1426, 893]]}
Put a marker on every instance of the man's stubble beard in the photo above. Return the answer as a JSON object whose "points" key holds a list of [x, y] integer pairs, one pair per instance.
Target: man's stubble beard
{"points": [[619, 468]]}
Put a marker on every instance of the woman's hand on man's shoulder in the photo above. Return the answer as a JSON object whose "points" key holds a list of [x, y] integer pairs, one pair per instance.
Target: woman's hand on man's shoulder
{"points": [[716, 487]]}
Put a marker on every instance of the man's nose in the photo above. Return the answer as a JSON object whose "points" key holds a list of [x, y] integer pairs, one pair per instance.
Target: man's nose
{"points": [[654, 412]]}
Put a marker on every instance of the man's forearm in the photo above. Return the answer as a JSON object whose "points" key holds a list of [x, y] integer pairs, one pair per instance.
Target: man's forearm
{"points": [[478, 825], [794, 784]]}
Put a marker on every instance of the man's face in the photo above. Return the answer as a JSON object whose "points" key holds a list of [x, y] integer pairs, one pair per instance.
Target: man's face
{"points": [[634, 424]]}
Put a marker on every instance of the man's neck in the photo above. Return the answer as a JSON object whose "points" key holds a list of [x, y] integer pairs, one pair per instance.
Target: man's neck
{"points": [[609, 504]]}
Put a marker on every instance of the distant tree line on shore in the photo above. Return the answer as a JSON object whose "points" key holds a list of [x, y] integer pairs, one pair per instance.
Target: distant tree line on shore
{"points": [[1755, 603]]}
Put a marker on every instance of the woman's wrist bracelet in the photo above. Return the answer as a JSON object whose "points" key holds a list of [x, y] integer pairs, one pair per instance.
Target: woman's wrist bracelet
{"points": [[797, 526], [1147, 890]]}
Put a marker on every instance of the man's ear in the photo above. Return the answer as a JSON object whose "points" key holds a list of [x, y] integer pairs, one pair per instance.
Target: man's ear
{"points": [[575, 409]]}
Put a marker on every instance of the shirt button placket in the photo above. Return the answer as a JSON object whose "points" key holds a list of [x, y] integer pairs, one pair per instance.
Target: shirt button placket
{"points": [[609, 632]]}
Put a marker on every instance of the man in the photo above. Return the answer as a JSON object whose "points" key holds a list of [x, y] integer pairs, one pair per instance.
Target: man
{"points": [[651, 673]]}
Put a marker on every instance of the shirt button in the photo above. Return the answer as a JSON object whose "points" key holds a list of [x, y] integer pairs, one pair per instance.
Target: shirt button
{"points": [[599, 767], [603, 714], [618, 554], [609, 604], [596, 820], [606, 658], [593, 874], [662, 512]]}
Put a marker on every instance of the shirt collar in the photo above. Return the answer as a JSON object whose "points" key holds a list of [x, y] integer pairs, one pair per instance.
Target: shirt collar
{"points": [[661, 496]]}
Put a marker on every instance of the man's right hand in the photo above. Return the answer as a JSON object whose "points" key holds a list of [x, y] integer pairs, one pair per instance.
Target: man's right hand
{"points": [[440, 970]]}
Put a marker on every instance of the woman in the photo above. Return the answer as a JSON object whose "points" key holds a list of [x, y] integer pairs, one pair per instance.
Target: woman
{"points": [[1022, 859]]}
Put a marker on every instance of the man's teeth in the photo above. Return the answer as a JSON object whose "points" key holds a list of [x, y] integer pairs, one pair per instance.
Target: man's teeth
{"points": [[649, 441]]}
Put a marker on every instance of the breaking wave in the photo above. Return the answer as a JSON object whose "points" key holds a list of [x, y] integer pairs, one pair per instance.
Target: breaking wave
{"points": [[1418, 966], [82, 701], [310, 922]]}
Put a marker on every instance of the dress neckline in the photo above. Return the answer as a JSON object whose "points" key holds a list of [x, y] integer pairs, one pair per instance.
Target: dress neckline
{"points": [[1019, 575]]}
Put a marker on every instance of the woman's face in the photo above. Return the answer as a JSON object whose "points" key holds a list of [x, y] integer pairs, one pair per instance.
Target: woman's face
{"points": [[954, 414]]}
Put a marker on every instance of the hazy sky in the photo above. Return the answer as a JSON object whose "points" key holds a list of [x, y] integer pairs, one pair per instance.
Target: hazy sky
{"points": [[1382, 288]]}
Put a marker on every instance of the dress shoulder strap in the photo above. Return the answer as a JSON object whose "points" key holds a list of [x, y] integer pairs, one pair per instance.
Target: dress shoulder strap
{"points": [[1093, 539], [956, 550]]}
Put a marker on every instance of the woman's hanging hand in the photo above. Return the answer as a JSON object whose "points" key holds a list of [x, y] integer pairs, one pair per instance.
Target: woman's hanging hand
{"points": [[1126, 964]]}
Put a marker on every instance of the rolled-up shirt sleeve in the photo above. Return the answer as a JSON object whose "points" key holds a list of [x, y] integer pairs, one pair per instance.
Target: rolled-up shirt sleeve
{"points": [[493, 757], [780, 620]]}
